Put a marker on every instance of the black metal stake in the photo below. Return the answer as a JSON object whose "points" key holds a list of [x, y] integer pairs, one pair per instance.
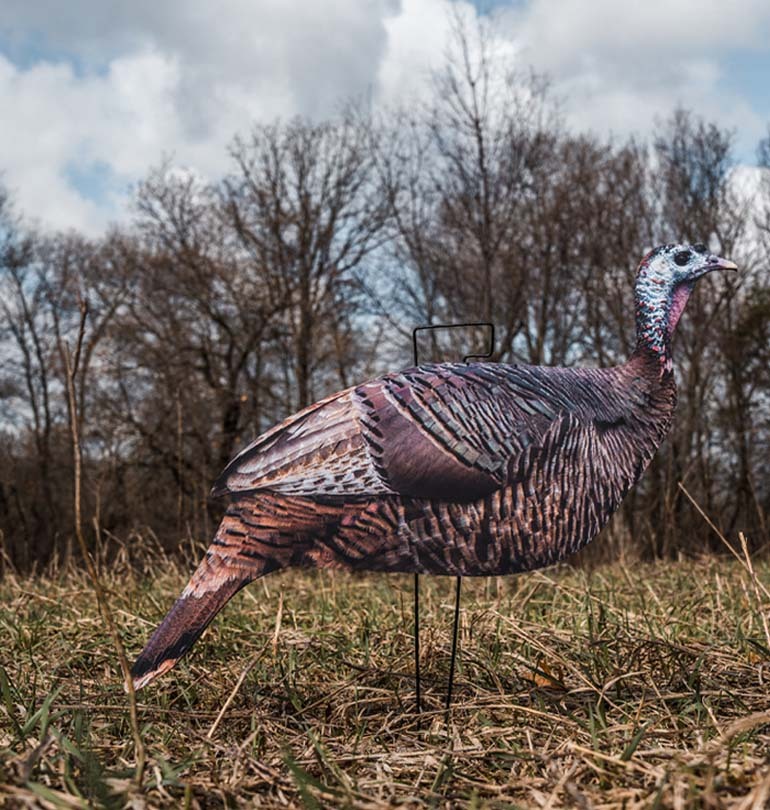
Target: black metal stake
{"points": [[415, 353], [417, 640], [453, 658], [454, 651]]}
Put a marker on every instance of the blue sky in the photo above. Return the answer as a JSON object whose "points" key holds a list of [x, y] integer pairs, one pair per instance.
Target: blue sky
{"points": [[95, 94]]}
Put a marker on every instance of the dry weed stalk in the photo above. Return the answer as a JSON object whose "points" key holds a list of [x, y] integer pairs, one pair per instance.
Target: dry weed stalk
{"points": [[71, 368], [744, 558]]}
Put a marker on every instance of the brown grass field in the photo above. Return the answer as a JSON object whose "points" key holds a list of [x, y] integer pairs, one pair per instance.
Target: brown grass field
{"points": [[634, 686]]}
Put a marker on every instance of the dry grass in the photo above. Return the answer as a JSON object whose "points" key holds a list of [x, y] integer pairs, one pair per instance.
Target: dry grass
{"points": [[627, 687]]}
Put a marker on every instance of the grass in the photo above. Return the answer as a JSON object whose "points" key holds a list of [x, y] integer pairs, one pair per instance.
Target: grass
{"points": [[641, 686]]}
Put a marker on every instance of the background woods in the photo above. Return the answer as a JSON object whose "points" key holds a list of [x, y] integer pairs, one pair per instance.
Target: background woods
{"points": [[229, 305]]}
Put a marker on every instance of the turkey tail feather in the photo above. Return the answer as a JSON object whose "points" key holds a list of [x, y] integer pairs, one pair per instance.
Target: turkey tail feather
{"points": [[256, 536], [184, 624], [231, 562]]}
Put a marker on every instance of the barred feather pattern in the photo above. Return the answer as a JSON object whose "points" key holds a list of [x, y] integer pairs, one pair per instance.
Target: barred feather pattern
{"points": [[525, 465], [454, 469]]}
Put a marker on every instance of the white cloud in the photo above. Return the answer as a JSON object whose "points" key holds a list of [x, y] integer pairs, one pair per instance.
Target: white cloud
{"points": [[416, 43], [155, 79], [619, 68], [106, 90], [656, 33], [63, 125]]}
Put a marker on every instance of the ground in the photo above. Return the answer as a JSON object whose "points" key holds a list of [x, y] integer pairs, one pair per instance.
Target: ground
{"points": [[629, 686]]}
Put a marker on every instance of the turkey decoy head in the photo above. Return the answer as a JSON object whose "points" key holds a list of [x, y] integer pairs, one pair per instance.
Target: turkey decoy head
{"points": [[672, 265], [664, 281]]}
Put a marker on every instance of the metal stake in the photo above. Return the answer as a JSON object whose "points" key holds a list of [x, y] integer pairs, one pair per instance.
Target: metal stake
{"points": [[417, 640], [456, 623], [454, 651]]}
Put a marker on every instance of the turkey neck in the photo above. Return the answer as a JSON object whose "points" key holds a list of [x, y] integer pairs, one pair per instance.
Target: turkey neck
{"points": [[649, 369], [658, 307]]}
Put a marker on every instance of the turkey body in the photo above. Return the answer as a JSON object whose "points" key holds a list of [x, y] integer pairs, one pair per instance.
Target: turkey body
{"points": [[446, 469], [468, 470]]}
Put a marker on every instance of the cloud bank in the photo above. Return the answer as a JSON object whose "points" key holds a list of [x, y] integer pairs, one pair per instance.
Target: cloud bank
{"points": [[94, 94]]}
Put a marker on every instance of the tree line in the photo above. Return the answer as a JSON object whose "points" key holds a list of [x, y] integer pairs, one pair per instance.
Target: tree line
{"points": [[225, 306]]}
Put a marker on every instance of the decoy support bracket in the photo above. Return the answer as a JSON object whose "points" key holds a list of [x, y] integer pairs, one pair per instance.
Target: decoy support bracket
{"points": [[466, 359]]}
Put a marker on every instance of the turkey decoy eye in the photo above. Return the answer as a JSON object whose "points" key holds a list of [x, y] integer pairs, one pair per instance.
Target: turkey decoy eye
{"points": [[682, 257]]}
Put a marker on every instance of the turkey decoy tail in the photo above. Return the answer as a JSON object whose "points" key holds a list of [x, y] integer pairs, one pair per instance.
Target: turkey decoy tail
{"points": [[214, 583]]}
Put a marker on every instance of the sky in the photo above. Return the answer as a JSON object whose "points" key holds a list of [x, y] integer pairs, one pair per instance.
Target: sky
{"points": [[94, 94]]}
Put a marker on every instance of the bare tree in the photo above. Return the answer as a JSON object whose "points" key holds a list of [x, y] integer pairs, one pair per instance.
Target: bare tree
{"points": [[697, 203], [307, 213], [459, 176], [27, 383]]}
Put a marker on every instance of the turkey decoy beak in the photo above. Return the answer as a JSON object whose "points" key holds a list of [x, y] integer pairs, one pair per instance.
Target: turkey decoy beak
{"points": [[718, 263], [712, 263]]}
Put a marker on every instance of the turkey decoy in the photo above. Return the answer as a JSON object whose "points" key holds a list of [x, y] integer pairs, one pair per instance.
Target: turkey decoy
{"points": [[468, 470]]}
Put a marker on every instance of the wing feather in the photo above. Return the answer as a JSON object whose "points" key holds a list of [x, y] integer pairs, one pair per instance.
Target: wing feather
{"points": [[447, 431]]}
